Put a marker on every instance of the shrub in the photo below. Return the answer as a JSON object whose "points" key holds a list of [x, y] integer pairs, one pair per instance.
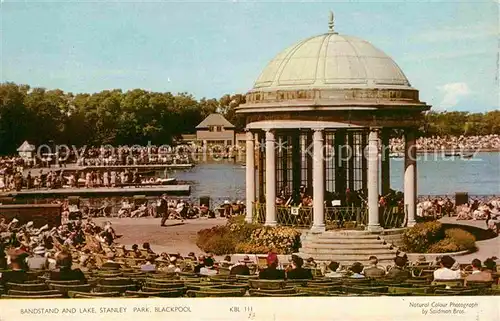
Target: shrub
{"points": [[463, 239], [420, 237], [218, 240], [239, 236], [444, 246]]}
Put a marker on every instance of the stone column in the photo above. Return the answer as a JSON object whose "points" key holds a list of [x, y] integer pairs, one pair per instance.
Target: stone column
{"points": [[318, 183], [250, 176], [270, 178], [386, 167], [410, 177], [373, 181]]}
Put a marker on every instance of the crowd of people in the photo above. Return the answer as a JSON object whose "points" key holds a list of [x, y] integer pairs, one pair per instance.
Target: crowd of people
{"points": [[53, 179], [74, 249], [451, 143]]}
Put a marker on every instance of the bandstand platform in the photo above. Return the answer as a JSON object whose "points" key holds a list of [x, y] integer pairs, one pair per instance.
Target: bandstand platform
{"points": [[319, 119]]}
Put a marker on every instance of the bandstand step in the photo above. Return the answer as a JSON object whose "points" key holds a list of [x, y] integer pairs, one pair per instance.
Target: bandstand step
{"points": [[347, 247], [320, 240], [366, 252], [342, 258]]}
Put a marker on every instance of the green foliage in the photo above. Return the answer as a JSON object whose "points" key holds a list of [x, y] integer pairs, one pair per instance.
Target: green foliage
{"points": [[462, 123], [420, 237], [108, 117], [431, 237], [237, 236]]}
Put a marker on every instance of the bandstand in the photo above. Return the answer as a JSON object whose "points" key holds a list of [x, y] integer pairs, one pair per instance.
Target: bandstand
{"points": [[318, 123]]}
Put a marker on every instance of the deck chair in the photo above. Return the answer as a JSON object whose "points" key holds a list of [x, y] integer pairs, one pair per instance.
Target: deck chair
{"points": [[265, 294], [297, 282], [289, 290], [222, 278], [31, 297], [115, 281], [63, 282], [34, 293], [457, 292], [65, 288], [27, 287], [213, 293], [266, 284], [409, 290], [174, 293], [365, 289], [73, 294], [231, 286], [163, 285], [449, 283], [115, 288]]}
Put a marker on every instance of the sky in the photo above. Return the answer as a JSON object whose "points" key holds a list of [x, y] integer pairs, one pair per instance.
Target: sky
{"points": [[447, 50]]}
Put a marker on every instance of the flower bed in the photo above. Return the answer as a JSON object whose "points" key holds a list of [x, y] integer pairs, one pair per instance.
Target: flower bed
{"points": [[432, 237], [237, 236]]}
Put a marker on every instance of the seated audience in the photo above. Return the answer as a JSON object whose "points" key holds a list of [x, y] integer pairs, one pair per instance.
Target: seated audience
{"points": [[477, 273], [110, 264], [332, 270], [490, 266], [64, 272], [298, 272], [356, 268], [38, 261], [445, 272], [310, 263], [271, 272], [374, 271], [150, 265], [398, 271], [241, 268], [135, 253], [16, 273]]}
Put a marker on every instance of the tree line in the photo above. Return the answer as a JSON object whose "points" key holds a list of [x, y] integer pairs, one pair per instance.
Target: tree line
{"points": [[138, 116]]}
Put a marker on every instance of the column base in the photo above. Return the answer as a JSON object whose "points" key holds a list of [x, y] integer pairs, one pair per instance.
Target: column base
{"points": [[272, 223], [318, 228], [411, 223], [374, 228]]}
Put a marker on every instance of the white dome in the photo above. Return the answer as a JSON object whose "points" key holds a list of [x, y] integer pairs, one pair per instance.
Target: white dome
{"points": [[331, 61]]}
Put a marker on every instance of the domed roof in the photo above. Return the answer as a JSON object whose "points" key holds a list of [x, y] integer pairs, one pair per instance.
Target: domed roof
{"points": [[331, 60]]}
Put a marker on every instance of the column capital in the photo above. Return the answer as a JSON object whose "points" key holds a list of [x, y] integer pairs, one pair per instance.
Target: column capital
{"points": [[318, 129], [249, 135], [270, 137]]}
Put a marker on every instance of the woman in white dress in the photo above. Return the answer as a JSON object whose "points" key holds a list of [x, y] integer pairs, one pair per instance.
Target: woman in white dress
{"points": [[106, 179], [113, 178]]}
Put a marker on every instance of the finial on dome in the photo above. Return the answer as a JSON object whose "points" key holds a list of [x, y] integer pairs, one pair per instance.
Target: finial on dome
{"points": [[331, 22]]}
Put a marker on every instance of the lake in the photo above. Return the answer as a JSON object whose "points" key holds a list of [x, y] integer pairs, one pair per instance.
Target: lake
{"points": [[437, 175]]}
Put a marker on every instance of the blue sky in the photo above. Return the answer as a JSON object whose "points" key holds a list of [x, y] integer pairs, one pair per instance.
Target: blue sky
{"points": [[448, 50]]}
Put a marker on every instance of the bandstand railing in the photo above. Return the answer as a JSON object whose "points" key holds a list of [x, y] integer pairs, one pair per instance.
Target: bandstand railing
{"points": [[346, 217], [335, 217]]}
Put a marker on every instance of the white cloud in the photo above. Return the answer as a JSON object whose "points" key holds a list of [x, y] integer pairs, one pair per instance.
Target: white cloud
{"points": [[453, 92], [458, 32]]}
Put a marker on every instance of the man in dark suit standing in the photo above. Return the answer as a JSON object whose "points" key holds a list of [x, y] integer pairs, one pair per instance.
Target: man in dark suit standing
{"points": [[163, 209], [271, 272]]}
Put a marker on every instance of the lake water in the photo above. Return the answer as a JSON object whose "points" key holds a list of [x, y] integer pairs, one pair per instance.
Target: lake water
{"points": [[437, 175]]}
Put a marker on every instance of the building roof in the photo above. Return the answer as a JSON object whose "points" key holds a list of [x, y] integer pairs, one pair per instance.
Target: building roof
{"points": [[215, 120], [26, 147], [331, 60]]}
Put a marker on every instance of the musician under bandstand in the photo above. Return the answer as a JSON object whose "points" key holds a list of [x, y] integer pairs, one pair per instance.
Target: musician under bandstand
{"points": [[318, 123]]}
